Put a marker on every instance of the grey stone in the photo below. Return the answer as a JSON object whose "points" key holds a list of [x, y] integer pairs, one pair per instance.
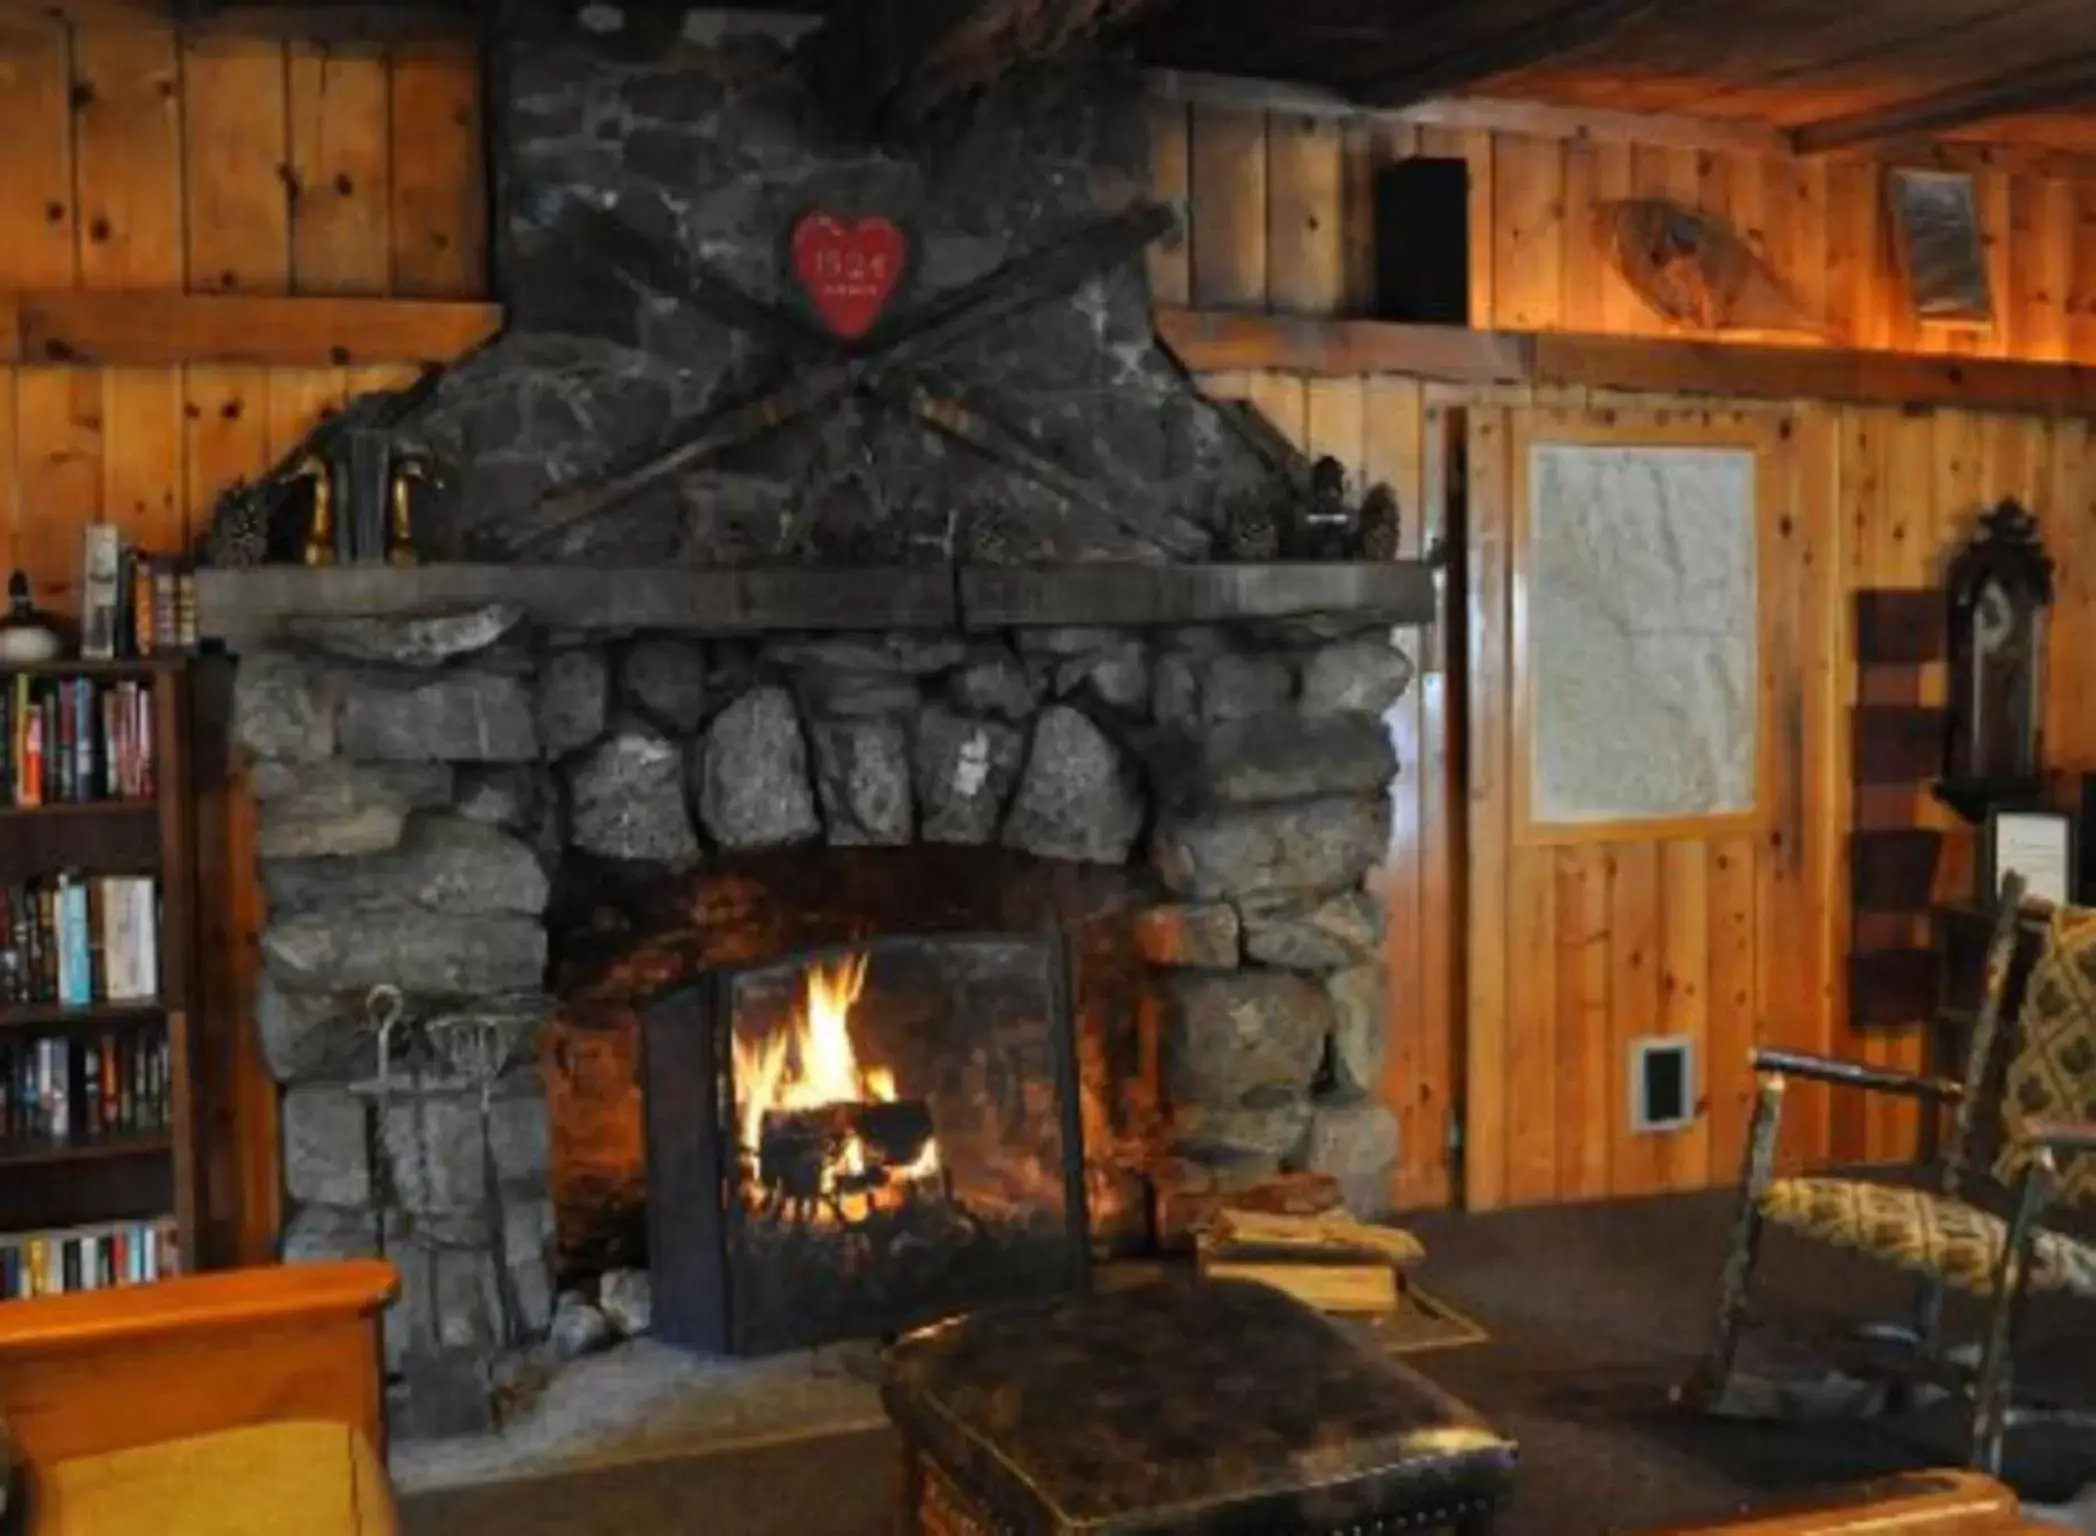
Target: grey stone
{"points": [[307, 1035], [753, 774], [993, 683], [420, 952], [512, 796], [444, 863], [1355, 1141], [667, 678], [520, 1133], [527, 1253], [857, 695], [1200, 688], [628, 1300], [1068, 639], [444, 1394], [470, 716], [862, 771], [627, 800], [1229, 1134], [1309, 845], [1238, 1036], [1358, 1032], [1366, 674], [911, 655], [1200, 934], [1118, 676], [423, 640], [578, 1328], [284, 708], [574, 696], [433, 1145], [326, 1155], [1283, 755], [323, 1234], [1079, 797], [338, 788], [370, 829], [1310, 935], [965, 771]]}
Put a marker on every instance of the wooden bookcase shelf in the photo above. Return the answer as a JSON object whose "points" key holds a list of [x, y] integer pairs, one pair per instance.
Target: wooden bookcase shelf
{"points": [[126, 1176]]}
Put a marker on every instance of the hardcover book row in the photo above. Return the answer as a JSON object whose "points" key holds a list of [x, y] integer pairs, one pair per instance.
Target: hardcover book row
{"points": [[91, 1258], [68, 1090], [78, 940], [75, 741]]}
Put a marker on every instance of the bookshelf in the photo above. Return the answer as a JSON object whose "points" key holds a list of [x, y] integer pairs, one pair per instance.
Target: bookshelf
{"points": [[121, 1168]]}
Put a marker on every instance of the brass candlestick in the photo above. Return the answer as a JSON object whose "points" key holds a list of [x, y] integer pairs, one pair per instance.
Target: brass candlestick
{"points": [[400, 534], [320, 533]]}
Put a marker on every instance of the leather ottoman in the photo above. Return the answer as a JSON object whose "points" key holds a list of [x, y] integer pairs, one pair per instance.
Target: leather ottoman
{"points": [[1221, 1408]]}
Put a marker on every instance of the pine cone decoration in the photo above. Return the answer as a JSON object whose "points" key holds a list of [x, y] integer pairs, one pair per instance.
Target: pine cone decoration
{"points": [[239, 533], [1381, 525], [1251, 532]]}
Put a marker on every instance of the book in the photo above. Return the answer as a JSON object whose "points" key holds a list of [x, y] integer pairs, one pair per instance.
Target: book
{"points": [[101, 560], [1329, 1287]]}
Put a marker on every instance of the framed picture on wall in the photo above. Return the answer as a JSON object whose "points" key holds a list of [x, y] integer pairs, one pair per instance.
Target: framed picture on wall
{"points": [[2038, 845], [1941, 247]]}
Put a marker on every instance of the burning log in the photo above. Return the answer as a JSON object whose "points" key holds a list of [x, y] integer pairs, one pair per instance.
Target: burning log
{"points": [[796, 1146]]}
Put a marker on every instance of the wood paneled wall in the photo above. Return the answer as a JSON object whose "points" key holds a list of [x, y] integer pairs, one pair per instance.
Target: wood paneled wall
{"points": [[1518, 973], [131, 158]]}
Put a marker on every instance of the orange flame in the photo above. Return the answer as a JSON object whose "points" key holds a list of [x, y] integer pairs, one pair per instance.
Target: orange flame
{"points": [[814, 1064]]}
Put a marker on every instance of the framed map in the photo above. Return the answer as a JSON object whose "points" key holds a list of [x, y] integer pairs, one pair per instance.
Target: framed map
{"points": [[1637, 642]]}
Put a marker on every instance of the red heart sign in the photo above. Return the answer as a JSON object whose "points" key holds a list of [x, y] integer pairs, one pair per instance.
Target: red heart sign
{"points": [[849, 270]]}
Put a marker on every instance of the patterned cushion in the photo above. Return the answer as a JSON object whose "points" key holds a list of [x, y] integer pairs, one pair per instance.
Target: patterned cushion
{"points": [[2053, 1073], [1923, 1231]]}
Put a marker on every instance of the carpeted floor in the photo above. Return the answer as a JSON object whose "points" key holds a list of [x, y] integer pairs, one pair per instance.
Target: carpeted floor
{"points": [[1593, 1313]]}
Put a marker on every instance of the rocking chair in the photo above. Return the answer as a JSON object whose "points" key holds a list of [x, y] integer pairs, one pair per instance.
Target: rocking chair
{"points": [[1941, 1234]]}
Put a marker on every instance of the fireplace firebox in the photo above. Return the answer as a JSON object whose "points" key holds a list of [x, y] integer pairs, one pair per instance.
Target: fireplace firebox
{"points": [[861, 1138]]}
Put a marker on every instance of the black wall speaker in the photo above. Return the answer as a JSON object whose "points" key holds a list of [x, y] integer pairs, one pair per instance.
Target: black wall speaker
{"points": [[1422, 241]]}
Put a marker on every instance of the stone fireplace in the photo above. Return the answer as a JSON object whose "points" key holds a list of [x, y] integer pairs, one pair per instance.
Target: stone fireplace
{"points": [[529, 813]]}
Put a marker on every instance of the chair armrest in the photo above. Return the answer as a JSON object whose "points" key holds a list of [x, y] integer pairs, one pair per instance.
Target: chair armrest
{"points": [[98, 1371], [1854, 1074], [2059, 1135]]}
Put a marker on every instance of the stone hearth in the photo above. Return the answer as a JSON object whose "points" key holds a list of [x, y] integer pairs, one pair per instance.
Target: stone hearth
{"points": [[439, 795]]}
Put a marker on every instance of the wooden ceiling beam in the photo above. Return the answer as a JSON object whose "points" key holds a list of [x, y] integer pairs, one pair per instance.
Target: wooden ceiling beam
{"points": [[882, 64], [1545, 35], [2056, 83]]}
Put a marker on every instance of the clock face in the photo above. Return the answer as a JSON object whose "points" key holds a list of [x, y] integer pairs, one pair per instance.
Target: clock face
{"points": [[1993, 619]]}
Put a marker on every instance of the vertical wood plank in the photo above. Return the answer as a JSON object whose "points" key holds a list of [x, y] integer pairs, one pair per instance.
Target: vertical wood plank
{"points": [[2081, 290], [142, 474], [1854, 266], [58, 423], [1585, 1048], [1991, 195], [1528, 233], [1443, 844], [439, 213], [127, 148], [1728, 1075], [1533, 1046], [2070, 720], [1487, 963], [10, 468], [1305, 253], [341, 170], [37, 230], [239, 204], [1585, 270], [1683, 1156], [2041, 256], [1368, 147], [1229, 212], [1623, 313], [1171, 259], [1635, 1166]]}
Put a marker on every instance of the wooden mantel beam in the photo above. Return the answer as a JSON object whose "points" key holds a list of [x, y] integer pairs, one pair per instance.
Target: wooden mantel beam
{"points": [[1210, 342], [2055, 83], [86, 326]]}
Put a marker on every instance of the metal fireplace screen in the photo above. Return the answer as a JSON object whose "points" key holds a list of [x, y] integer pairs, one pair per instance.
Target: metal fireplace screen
{"points": [[859, 1139]]}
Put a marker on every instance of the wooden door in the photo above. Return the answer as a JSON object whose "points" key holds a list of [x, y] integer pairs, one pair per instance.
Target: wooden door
{"points": [[1586, 933]]}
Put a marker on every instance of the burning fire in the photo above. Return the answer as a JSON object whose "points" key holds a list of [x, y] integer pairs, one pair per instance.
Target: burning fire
{"points": [[812, 1066]]}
